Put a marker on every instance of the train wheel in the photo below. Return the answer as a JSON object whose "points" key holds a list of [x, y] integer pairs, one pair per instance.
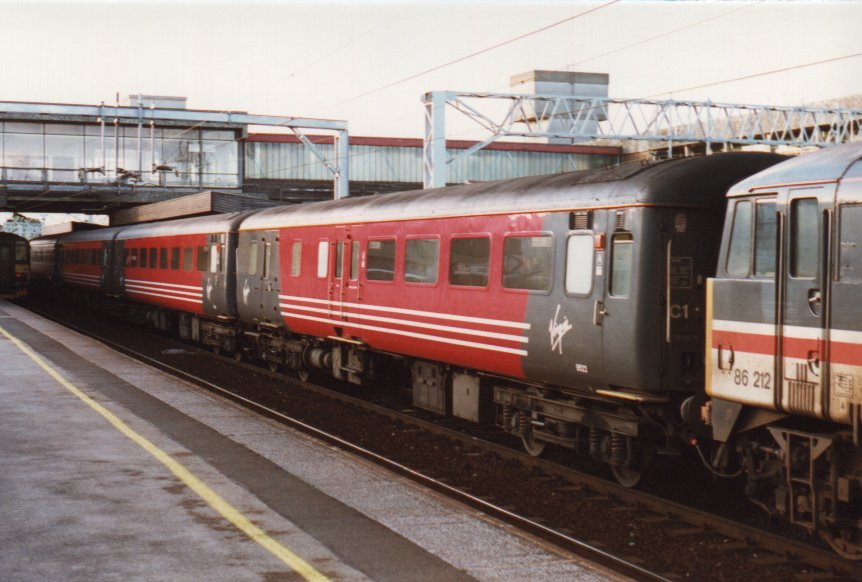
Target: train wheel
{"points": [[627, 476], [303, 373], [842, 544], [533, 447]]}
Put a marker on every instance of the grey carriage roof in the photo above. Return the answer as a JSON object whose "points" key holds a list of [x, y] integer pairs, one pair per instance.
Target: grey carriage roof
{"points": [[669, 182], [824, 165], [218, 223]]}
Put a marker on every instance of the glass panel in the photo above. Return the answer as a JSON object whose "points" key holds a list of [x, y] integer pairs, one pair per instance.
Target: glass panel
{"points": [[339, 258], [765, 239], [850, 247], [354, 261], [20, 250], [23, 127], [621, 269], [267, 260], [203, 258], [579, 264], [421, 259], [739, 256], [163, 258], [252, 258], [188, 258], [804, 238], [215, 258], [528, 262], [296, 258], [322, 258], [23, 151], [154, 258], [175, 258], [64, 129], [381, 260], [468, 261]]}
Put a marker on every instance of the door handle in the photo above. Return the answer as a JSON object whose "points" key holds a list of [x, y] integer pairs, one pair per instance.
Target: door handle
{"points": [[815, 298], [599, 313]]}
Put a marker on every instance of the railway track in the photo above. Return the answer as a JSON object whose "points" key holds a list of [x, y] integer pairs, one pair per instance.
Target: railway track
{"points": [[766, 555]]}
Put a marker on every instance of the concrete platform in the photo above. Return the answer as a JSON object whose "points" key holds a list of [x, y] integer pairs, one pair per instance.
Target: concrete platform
{"points": [[112, 470]]}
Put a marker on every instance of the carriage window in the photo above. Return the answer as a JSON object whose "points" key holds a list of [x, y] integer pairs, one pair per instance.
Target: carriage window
{"points": [[215, 258], [421, 259], [175, 258], [20, 251], [295, 258], [339, 258], [188, 258], [322, 258], [133, 258], [354, 261], [154, 258], [579, 264], [850, 248], [740, 240], [468, 261], [381, 260], [622, 248], [203, 258], [163, 258], [267, 260], [528, 262], [804, 238], [252, 258], [764, 239]]}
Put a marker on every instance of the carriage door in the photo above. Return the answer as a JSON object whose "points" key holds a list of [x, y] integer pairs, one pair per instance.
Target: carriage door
{"points": [[259, 271], [215, 300], [804, 300], [340, 273]]}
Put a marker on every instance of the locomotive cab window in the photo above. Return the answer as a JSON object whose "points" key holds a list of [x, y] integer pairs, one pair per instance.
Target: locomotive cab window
{"points": [[381, 260], [739, 257], [765, 233], [579, 264], [622, 253], [528, 262], [421, 260], [804, 245]]}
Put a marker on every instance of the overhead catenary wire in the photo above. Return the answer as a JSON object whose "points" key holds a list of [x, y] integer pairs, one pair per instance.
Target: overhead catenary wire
{"points": [[473, 54]]}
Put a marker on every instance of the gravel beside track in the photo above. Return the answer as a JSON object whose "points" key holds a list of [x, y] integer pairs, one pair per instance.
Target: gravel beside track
{"points": [[601, 516]]}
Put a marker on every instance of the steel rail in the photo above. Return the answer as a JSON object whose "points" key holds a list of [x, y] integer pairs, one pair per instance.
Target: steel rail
{"points": [[755, 537]]}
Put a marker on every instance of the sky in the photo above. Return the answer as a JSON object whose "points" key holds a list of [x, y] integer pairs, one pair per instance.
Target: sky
{"points": [[369, 62]]}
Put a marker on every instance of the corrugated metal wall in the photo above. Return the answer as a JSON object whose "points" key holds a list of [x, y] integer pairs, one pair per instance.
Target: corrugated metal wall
{"points": [[290, 161]]}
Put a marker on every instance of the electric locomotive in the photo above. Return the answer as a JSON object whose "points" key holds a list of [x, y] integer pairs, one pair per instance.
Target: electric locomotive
{"points": [[14, 265], [784, 343]]}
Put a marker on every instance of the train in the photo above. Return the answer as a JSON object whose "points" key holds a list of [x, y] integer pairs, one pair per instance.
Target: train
{"points": [[14, 265], [627, 313]]}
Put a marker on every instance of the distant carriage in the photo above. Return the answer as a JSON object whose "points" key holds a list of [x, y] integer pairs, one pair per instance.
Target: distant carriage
{"points": [[14, 265]]}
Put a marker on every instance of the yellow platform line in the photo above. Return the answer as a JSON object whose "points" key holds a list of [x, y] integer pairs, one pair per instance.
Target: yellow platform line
{"points": [[225, 509]]}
